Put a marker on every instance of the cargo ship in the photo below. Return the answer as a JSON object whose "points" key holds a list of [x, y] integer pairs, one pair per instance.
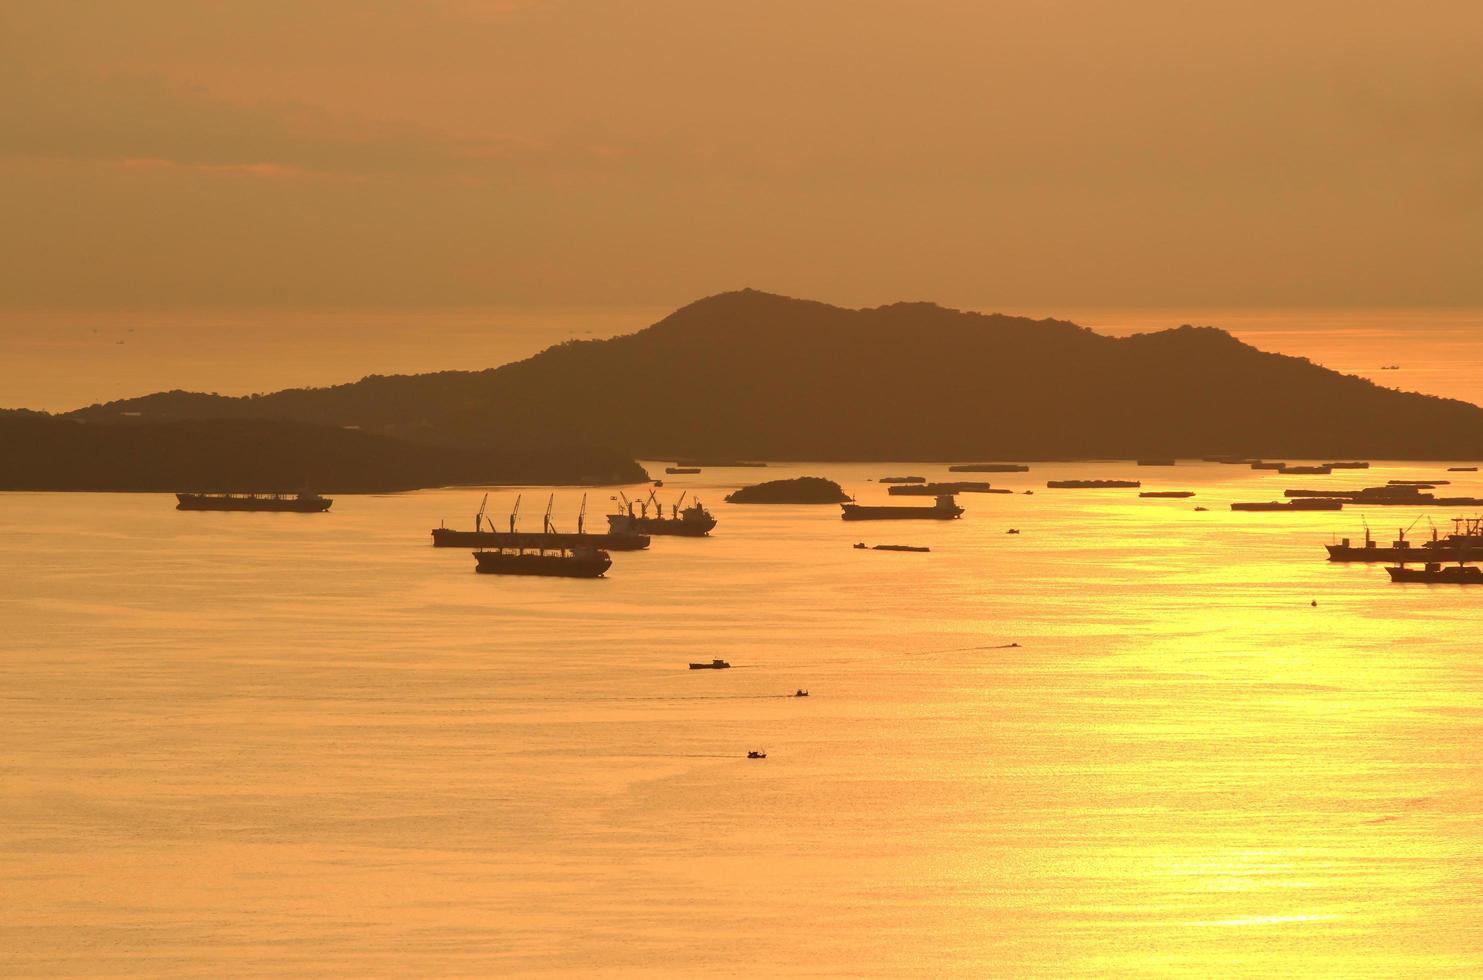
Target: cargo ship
{"points": [[1301, 503], [297, 503], [1091, 484], [488, 537], [989, 468], [1179, 494], [690, 522], [574, 562], [945, 509], [938, 489], [1438, 573]]}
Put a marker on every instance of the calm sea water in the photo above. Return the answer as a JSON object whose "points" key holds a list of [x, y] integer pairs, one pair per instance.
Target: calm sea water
{"points": [[255, 745]]}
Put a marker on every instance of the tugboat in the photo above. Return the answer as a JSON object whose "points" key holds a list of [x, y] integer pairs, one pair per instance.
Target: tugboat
{"points": [[800, 693], [691, 522], [550, 557], [756, 754], [717, 664], [487, 537], [946, 509], [299, 503]]}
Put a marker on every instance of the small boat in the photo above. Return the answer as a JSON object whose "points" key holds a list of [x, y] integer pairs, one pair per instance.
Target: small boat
{"points": [[1013, 530], [717, 664], [800, 693], [1199, 509], [756, 754], [1435, 572]]}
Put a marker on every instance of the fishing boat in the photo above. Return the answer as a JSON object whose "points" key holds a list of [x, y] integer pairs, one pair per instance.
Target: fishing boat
{"points": [[485, 535], [690, 522], [716, 664], [800, 693], [756, 754], [295, 503], [945, 509]]}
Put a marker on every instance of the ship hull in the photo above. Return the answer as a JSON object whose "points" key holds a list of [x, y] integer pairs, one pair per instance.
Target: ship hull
{"points": [[552, 566], [856, 512], [277, 505], [1454, 575], [1338, 552], [672, 527], [446, 537]]}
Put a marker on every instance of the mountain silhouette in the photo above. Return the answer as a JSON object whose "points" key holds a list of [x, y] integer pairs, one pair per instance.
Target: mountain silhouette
{"points": [[753, 375], [44, 453]]}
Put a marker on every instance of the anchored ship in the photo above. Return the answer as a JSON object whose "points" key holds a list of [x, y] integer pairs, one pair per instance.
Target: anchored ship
{"points": [[298, 503], [945, 509], [1300, 503], [938, 489], [553, 553], [690, 522], [489, 537], [1435, 572]]}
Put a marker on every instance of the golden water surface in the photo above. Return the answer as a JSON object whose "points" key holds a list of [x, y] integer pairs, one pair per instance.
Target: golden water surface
{"points": [[250, 744]]}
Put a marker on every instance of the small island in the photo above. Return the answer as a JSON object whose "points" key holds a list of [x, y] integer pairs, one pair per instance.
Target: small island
{"points": [[803, 490]]}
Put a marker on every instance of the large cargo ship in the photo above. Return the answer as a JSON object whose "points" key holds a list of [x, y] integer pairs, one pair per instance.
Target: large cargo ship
{"points": [[485, 535], [945, 509], [939, 489], [690, 522], [1437, 573], [577, 562], [296, 503]]}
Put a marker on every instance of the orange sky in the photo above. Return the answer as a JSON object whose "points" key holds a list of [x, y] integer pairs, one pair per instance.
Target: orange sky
{"points": [[545, 154]]}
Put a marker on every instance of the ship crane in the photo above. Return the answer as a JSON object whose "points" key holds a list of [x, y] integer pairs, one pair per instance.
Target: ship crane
{"points": [[675, 510], [582, 514], [546, 525], [514, 512], [479, 517]]}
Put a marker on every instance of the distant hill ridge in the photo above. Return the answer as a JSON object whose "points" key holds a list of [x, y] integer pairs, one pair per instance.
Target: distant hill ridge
{"points": [[755, 375]]}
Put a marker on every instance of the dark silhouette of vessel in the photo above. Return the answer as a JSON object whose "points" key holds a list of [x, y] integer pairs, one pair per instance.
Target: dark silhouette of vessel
{"points": [[1319, 470], [1167, 493], [1156, 462], [903, 479], [989, 468], [1091, 484], [1437, 573], [681, 470], [690, 522], [1301, 503], [938, 489], [574, 562], [1352, 465], [489, 537], [299, 503], [945, 509], [717, 664], [756, 754], [550, 556], [891, 547]]}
